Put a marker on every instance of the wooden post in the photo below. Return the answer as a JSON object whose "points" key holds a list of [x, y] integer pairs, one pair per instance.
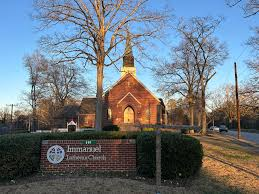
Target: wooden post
{"points": [[237, 104], [158, 160]]}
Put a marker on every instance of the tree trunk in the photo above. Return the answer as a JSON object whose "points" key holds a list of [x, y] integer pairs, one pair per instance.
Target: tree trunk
{"points": [[34, 113], [199, 117], [203, 110], [191, 111], [34, 121], [99, 95]]}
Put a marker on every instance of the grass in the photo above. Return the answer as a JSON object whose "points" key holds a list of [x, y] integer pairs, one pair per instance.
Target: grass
{"points": [[228, 153], [227, 177], [206, 183]]}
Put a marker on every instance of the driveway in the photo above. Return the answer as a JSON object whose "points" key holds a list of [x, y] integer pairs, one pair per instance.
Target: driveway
{"points": [[254, 137]]}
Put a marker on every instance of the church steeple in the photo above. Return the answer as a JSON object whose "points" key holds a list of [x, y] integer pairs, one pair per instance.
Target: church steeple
{"points": [[128, 59]]}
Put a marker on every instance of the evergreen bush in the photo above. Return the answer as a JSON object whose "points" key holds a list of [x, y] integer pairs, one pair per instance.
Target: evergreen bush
{"points": [[181, 155], [111, 128]]}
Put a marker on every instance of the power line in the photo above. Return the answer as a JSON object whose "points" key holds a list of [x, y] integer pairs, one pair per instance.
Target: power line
{"points": [[237, 60], [242, 52]]}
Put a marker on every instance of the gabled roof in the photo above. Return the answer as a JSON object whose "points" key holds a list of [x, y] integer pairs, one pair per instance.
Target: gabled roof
{"points": [[88, 105], [137, 81], [68, 111], [71, 123]]}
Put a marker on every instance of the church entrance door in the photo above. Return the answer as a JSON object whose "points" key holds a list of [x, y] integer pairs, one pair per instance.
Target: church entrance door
{"points": [[128, 115]]}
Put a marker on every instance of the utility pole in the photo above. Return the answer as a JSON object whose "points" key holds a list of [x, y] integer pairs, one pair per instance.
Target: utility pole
{"points": [[237, 103], [12, 105]]}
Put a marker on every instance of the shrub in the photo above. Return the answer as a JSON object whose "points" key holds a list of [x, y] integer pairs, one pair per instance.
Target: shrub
{"points": [[111, 128], [181, 155], [148, 129], [86, 126], [20, 131], [20, 153], [184, 130]]}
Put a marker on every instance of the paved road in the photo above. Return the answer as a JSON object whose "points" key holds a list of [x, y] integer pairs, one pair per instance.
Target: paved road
{"points": [[254, 137]]}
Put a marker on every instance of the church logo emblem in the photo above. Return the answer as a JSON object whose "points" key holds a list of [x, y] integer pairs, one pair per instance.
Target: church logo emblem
{"points": [[55, 154]]}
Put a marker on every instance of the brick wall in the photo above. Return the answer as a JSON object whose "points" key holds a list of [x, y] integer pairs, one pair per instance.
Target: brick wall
{"points": [[110, 155], [139, 99]]}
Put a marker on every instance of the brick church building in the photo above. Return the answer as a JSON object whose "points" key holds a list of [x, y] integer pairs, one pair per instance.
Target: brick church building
{"points": [[127, 103]]}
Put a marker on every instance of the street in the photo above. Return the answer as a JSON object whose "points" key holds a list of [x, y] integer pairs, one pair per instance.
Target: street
{"points": [[254, 137]]}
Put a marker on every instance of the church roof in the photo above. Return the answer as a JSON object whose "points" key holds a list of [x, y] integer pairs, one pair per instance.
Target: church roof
{"points": [[68, 111], [71, 123], [88, 105]]}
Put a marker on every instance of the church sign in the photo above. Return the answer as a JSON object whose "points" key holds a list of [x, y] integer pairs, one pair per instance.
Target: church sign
{"points": [[89, 155]]}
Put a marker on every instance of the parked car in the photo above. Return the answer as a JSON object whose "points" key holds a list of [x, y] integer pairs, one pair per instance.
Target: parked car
{"points": [[214, 128], [223, 128]]}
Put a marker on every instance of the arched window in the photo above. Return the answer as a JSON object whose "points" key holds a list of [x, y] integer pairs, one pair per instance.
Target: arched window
{"points": [[128, 115], [148, 115], [109, 114]]}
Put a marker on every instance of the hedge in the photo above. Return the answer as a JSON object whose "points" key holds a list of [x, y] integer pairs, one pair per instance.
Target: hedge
{"points": [[111, 128], [20, 153], [181, 155]]}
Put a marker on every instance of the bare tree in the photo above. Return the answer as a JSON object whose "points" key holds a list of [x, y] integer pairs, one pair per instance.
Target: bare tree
{"points": [[35, 64], [250, 7], [65, 82], [250, 90], [253, 42], [206, 50], [249, 100], [179, 76], [253, 63], [53, 85], [222, 104], [95, 29], [3, 115]]}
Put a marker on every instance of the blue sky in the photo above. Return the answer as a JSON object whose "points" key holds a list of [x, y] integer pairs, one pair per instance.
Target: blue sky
{"points": [[18, 37]]}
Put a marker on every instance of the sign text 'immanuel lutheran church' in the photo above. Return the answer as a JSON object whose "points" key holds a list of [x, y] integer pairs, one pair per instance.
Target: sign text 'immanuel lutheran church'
{"points": [[90, 155]]}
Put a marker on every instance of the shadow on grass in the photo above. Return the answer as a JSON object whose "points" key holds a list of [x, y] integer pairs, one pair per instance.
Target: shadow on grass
{"points": [[241, 168], [204, 183]]}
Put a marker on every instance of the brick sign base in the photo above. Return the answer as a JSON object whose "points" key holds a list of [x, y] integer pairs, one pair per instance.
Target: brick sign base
{"points": [[88, 155]]}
